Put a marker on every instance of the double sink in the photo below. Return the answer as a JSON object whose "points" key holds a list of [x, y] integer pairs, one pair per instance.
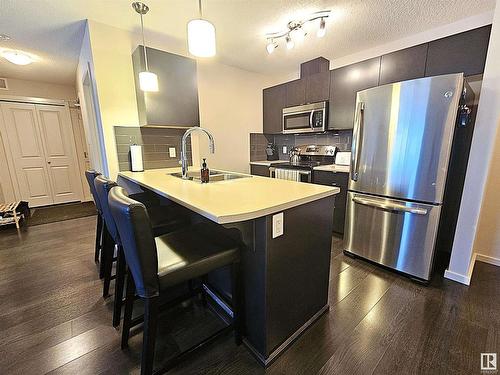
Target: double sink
{"points": [[214, 175]]}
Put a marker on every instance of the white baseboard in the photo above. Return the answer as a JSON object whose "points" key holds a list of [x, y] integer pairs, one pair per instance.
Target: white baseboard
{"points": [[488, 259], [463, 279]]}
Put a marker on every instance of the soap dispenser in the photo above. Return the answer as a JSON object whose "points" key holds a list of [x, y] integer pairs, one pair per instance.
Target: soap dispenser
{"points": [[205, 173]]}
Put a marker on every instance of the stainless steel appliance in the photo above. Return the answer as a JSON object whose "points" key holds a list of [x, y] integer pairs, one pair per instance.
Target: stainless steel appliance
{"points": [[402, 141], [294, 155], [307, 118], [300, 168]]}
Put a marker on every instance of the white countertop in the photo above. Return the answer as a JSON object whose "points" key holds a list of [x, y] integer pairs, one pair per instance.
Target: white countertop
{"points": [[332, 168], [267, 163], [231, 200]]}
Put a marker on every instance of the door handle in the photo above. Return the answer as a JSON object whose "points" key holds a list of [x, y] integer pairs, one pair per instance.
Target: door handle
{"points": [[311, 119], [356, 140], [399, 207]]}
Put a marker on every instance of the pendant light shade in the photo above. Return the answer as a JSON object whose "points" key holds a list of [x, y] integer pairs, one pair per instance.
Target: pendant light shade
{"points": [[201, 36], [148, 81]]}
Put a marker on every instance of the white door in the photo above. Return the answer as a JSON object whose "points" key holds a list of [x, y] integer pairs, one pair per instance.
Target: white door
{"points": [[25, 144], [60, 154]]}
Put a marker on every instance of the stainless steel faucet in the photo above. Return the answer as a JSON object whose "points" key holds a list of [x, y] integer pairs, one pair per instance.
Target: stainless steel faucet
{"points": [[184, 161]]}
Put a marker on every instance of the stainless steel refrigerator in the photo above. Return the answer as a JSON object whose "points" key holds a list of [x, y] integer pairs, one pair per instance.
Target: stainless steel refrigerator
{"points": [[402, 142]]}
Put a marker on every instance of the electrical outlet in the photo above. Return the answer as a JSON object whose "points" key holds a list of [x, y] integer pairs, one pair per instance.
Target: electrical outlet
{"points": [[285, 150], [278, 225], [171, 152]]}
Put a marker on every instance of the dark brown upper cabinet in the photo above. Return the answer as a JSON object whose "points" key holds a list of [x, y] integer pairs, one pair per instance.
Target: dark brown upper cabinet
{"points": [[345, 82], [176, 102], [295, 93], [314, 66], [464, 52], [273, 103], [318, 87], [403, 65]]}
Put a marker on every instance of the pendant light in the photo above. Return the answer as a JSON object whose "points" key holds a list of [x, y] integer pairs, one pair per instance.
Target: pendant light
{"points": [[201, 36], [148, 81]]}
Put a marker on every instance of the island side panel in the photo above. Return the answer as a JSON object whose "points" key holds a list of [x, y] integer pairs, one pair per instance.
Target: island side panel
{"points": [[298, 269]]}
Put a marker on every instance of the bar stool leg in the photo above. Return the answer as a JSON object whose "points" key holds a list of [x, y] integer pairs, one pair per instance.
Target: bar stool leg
{"points": [[236, 301], [98, 237], [119, 283], [108, 251], [149, 338], [102, 263], [129, 306]]}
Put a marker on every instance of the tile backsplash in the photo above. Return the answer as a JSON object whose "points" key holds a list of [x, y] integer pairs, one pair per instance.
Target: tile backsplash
{"points": [[258, 142], [155, 144]]}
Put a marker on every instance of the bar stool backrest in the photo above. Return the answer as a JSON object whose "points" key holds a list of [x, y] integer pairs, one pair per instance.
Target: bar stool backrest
{"points": [[136, 234], [90, 174], [103, 187]]}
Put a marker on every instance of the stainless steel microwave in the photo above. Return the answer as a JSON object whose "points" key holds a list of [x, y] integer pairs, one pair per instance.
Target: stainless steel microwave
{"points": [[308, 118]]}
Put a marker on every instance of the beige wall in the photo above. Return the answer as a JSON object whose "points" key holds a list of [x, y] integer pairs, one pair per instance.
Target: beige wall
{"points": [[114, 78], [20, 87], [231, 108], [487, 244]]}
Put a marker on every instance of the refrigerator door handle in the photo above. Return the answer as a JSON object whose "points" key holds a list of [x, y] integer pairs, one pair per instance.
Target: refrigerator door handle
{"points": [[391, 206], [356, 141]]}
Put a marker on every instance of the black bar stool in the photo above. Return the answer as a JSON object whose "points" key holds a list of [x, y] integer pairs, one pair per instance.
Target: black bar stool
{"points": [[156, 264], [90, 175], [163, 220]]}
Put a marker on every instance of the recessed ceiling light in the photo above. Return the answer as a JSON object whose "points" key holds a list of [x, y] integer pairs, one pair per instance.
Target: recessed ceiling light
{"points": [[4, 37], [17, 57]]}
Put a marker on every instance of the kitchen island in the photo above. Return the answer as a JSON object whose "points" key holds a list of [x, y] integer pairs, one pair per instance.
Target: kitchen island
{"points": [[284, 228]]}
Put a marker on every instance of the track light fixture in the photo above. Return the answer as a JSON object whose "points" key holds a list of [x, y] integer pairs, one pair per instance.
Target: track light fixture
{"points": [[295, 31]]}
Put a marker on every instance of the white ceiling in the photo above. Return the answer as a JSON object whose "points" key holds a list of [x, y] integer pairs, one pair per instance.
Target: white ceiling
{"points": [[53, 29]]}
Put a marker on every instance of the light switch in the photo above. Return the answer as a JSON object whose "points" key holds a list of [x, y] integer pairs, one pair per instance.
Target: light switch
{"points": [[285, 149], [278, 225], [171, 152]]}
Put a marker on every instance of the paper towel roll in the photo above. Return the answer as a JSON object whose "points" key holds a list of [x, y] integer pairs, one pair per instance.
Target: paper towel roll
{"points": [[136, 158]]}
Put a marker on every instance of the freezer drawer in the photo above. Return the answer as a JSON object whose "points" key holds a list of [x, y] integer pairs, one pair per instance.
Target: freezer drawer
{"points": [[395, 233]]}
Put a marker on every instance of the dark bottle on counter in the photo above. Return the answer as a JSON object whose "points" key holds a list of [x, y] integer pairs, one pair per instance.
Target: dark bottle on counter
{"points": [[205, 173]]}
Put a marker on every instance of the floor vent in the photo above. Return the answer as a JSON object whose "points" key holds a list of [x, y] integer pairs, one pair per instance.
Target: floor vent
{"points": [[3, 84]]}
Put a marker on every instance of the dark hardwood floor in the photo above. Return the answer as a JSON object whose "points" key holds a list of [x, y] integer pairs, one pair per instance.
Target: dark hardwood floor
{"points": [[54, 320]]}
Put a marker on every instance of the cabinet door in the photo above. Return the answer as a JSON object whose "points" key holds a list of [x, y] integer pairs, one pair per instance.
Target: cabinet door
{"points": [[340, 180], [318, 87], [295, 92], [403, 65], [259, 170], [464, 52], [273, 102], [345, 82]]}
